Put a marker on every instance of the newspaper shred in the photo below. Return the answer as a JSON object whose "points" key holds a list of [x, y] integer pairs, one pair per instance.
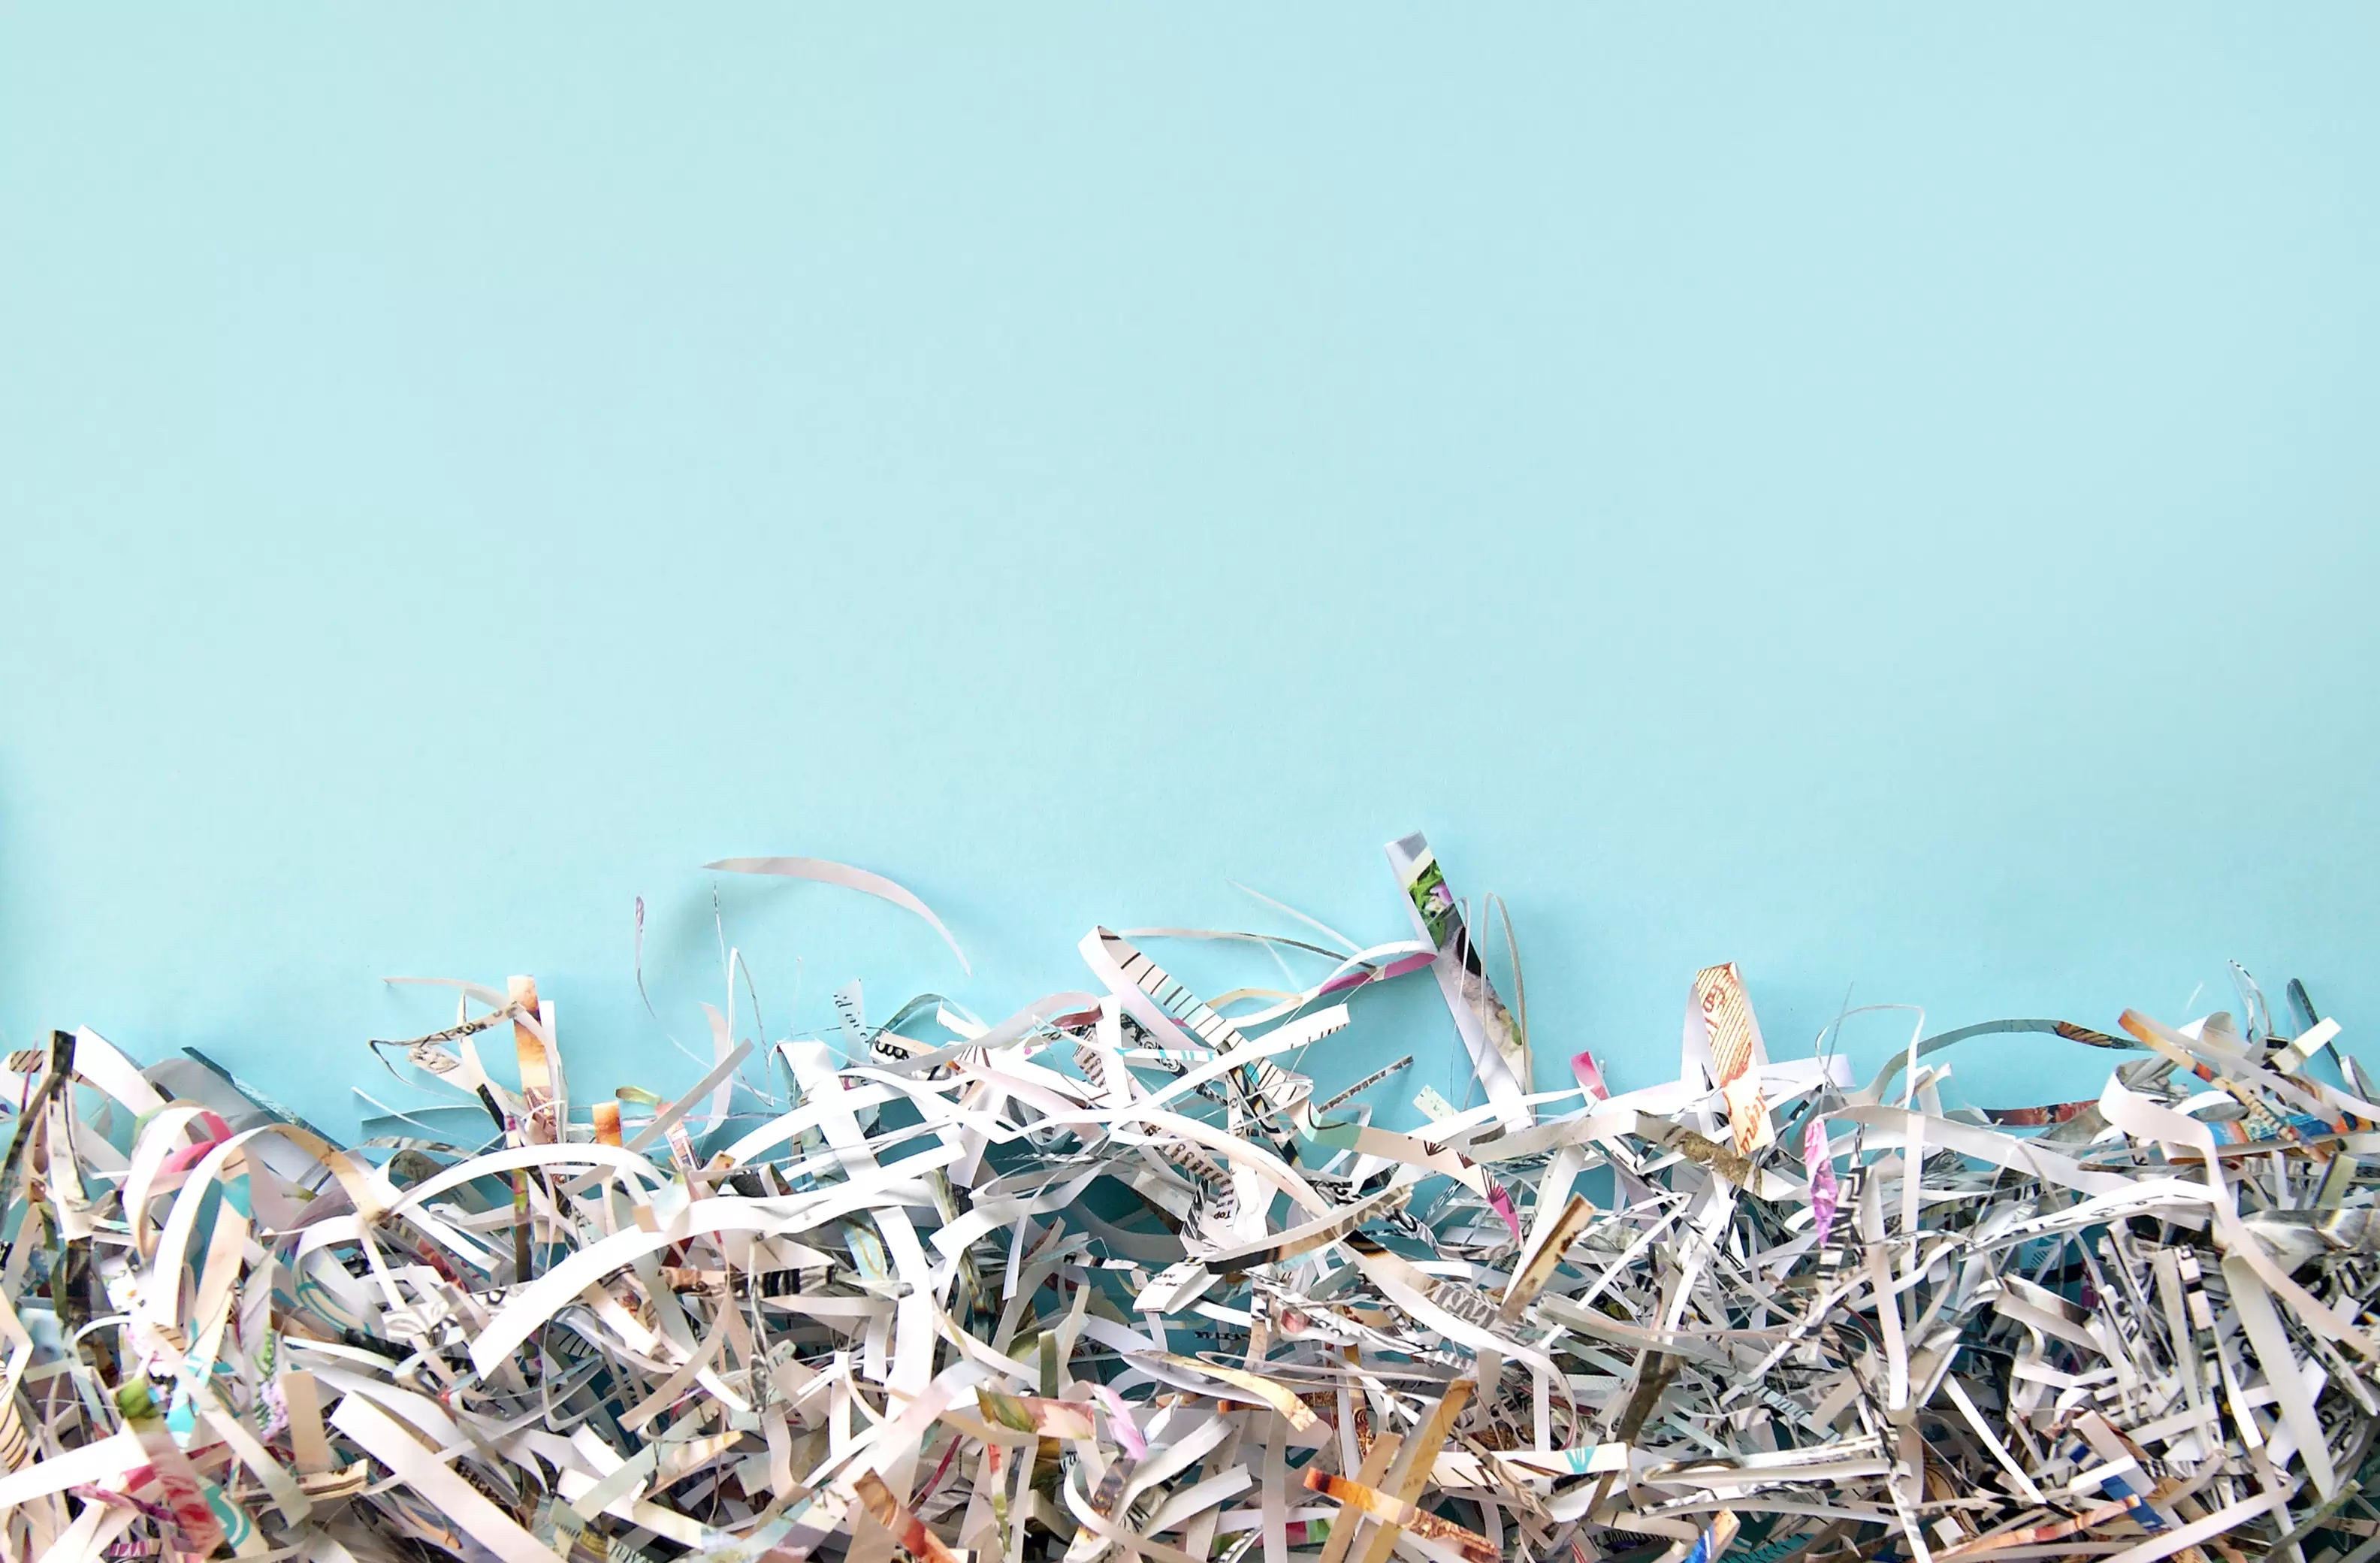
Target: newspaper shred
{"points": [[1109, 1280]]}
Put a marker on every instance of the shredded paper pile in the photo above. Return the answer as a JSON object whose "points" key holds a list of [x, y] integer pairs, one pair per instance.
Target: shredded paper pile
{"points": [[1108, 1280]]}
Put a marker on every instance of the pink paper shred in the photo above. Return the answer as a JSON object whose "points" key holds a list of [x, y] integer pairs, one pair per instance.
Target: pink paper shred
{"points": [[1589, 1078], [1823, 1187]]}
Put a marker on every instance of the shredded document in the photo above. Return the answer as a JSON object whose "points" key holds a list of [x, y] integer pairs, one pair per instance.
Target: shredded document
{"points": [[1107, 1279]]}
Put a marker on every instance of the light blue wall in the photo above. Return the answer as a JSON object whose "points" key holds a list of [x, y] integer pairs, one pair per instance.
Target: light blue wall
{"points": [[1886, 495]]}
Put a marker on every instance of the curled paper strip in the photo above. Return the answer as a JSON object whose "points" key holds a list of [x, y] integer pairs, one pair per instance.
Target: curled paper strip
{"points": [[1110, 1278]]}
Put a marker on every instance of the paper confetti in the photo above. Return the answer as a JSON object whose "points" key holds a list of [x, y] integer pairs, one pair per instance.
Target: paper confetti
{"points": [[1106, 1280]]}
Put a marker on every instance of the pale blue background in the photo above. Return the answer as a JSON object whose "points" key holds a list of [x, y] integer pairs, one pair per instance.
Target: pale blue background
{"points": [[1885, 495]]}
